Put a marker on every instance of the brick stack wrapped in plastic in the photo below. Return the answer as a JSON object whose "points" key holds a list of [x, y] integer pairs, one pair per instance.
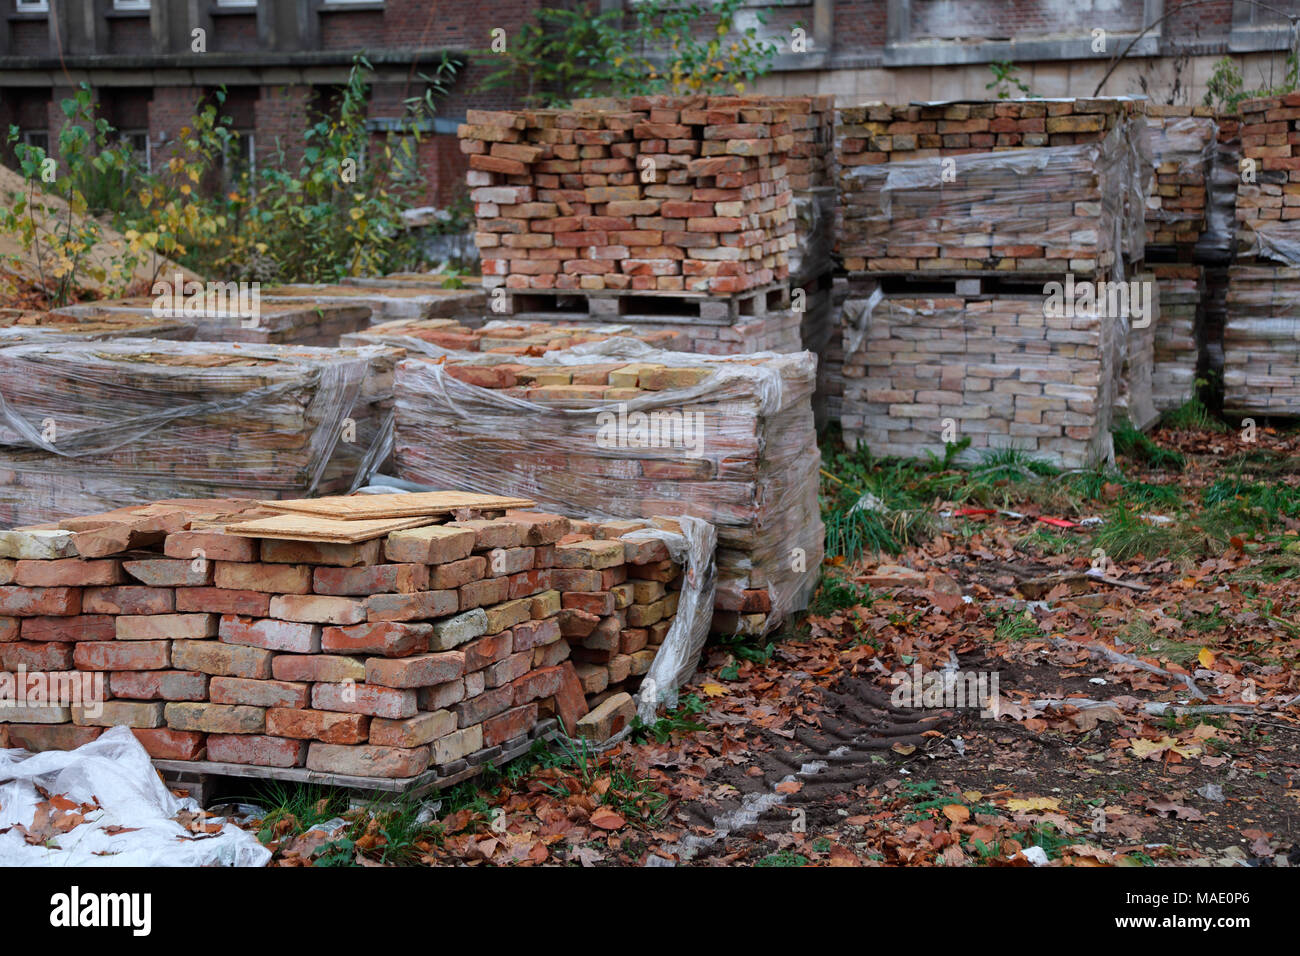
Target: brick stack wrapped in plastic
{"points": [[636, 432]]}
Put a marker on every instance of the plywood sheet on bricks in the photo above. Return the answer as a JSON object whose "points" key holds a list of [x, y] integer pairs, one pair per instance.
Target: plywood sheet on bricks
{"points": [[425, 503], [299, 527]]}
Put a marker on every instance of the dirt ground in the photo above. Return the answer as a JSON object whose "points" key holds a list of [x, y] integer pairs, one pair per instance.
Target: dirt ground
{"points": [[1140, 703]]}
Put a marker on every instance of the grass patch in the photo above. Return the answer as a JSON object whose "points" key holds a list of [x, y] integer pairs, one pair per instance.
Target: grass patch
{"points": [[1136, 445], [1193, 414]]}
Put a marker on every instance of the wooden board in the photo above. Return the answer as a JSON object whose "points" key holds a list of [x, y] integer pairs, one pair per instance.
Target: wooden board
{"points": [[426, 503], [295, 527], [427, 782]]}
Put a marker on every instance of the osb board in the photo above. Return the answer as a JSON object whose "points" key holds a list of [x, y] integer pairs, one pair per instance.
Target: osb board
{"points": [[300, 527], [361, 507]]}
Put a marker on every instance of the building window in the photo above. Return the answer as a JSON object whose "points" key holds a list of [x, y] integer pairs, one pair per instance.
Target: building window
{"points": [[248, 4], [33, 6], [37, 139], [130, 4], [141, 149]]}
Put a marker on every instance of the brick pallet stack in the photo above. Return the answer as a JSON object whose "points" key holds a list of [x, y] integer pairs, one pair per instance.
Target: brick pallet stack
{"points": [[673, 212], [988, 202], [1261, 360], [99, 426], [437, 337], [643, 432], [438, 647], [389, 298], [24, 328], [271, 323], [1183, 146]]}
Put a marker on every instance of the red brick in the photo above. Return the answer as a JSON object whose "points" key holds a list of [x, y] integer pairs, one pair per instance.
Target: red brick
{"points": [[128, 599], [165, 627], [216, 718], [479, 708], [159, 685], [67, 572], [376, 579], [273, 635], [435, 544], [123, 656], [570, 703], [41, 737], [424, 670], [312, 668], [9, 629], [411, 607], [321, 552], [258, 576], [170, 572], [487, 650], [543, 682], [35, 657], [222, 660], [332, 728], [455, 574], [162, 743], [593, 602], [210, 546], [414, 731], [369, 699], [80, 627], [389, 638], [317, 609], [487, 591], [223, 601], [528, 583], [256, 750], [36, 602], [507, 726], [259, 693], [507, 670], [368, 760]]}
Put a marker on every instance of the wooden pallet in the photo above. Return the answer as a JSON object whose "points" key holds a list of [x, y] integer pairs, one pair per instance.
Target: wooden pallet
{"points": [[398, 505], [202, 779], [631, 306], [966, 286]]}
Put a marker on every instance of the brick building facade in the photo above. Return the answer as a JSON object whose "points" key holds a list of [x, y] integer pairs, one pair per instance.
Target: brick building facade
{"points": [[278, 59]]}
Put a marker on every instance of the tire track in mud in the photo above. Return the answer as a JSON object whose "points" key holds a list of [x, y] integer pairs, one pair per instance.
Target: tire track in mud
{"points": [[858, 726]]}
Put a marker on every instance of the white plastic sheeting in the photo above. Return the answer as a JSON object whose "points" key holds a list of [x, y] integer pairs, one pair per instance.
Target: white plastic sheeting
{"points": [[135, 824]]}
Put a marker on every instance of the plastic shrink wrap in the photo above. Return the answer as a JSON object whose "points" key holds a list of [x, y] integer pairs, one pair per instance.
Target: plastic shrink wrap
{"points": [[623, 430], [87, 427]]}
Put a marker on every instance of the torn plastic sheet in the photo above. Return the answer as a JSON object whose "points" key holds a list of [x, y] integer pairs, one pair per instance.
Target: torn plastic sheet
{"points": [[679, 654], [857, 319], [134, 825], [1277, 240]]}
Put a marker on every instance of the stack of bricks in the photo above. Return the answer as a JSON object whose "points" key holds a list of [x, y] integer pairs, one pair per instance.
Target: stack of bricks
{"points": [[810, 167], [993, 200], [1183, 140], [97, 426], [997, 371], [1268, 190], [435, 648], [1261, 359], [439, 336], [1177, 333], [389, 298], [1261, 340], [655, 197], [931, 188], [731, 441], [18, 327], [311, 322]]}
